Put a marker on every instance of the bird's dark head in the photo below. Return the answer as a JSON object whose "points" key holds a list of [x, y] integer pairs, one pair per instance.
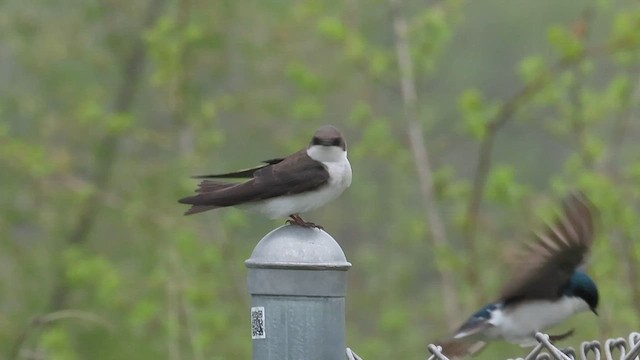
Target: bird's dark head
{"points": [[582, 286], [328, 135]]}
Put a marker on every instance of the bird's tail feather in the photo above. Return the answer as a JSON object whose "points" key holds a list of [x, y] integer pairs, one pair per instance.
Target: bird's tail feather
{"points": [[199, 208], [460, 349], [207, 186]]}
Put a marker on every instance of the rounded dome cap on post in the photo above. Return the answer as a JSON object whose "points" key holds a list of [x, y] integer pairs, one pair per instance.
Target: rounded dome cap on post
{"points": [[296, 247], [297, 278]]}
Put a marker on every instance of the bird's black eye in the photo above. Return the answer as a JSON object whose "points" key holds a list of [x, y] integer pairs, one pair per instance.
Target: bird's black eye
{"points": [[335, 142], [315, 141]]}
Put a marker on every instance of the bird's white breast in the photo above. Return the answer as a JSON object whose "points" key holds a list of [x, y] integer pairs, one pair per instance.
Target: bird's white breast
{"points": [[520, 323], [337, 164]]}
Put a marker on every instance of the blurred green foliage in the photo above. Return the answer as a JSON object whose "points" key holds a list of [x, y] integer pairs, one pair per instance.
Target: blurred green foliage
{"points": [[109, 106]]}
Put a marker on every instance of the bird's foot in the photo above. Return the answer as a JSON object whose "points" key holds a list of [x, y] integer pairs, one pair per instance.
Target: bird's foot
{"points": [[561, 336], [297, 220]]}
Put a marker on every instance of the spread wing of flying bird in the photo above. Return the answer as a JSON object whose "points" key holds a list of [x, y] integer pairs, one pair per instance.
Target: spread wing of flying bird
{"points": [[552, 258]]}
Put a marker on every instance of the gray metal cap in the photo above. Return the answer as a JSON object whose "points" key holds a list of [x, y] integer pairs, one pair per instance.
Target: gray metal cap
{"points": [[296, 247]]}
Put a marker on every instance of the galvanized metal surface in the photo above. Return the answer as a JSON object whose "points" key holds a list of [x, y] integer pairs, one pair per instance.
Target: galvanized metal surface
{"points": [[292, 246], [297, 282], [613, 349], [352, 356]]}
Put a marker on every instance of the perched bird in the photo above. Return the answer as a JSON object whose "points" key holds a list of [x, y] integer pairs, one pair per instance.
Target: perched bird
{"points": [[283, 187], [546, 289]]}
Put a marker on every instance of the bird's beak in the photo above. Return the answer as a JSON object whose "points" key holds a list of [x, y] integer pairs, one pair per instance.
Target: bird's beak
{"points": [[593, 310]]}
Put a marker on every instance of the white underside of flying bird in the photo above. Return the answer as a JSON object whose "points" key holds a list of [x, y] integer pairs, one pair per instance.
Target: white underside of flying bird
{"points": [[519, 324]]}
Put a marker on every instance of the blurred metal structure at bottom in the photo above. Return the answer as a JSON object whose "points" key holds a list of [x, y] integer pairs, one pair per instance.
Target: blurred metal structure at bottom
{"points": [[613, 349], [297, 282]]}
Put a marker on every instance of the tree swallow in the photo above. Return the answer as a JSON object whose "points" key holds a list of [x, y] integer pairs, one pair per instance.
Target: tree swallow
{"points": [[546, 289], [283, 187]]}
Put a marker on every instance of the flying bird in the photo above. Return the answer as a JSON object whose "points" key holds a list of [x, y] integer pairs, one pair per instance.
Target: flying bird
{"points": [[546, 289], [282, 187]]}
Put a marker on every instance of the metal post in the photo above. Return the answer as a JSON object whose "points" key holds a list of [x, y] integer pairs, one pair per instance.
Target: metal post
{"points": [[297, 282]]}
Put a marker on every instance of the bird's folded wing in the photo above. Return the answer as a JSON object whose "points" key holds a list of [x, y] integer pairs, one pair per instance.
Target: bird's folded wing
{"points": [[294, 175], [244, 173]]}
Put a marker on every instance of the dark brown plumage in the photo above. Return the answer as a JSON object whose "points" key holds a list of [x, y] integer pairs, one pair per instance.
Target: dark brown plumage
{"points": [[550, 261], [543, 270], [292, 175], [282, 187]]}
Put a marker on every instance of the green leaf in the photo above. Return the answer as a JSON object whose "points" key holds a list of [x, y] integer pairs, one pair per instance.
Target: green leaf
{"points": [[594, 146], [503, 187], [447, 258], [474, 113], [376, 141], [307, 108], [332, 27], [119, 123], [144, 312], [355, 47], [393, 319], [565, 42], [58, 344], [90, 112], [626, 28], [379, 62], [304, 77], [360, 113], [532, 67], [617, 93]]}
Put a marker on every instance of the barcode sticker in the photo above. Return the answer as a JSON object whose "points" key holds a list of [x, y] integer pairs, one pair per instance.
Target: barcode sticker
{"points": [[257, 323]]}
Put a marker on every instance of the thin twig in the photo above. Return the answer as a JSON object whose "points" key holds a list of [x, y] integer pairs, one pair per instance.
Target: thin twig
{"points": [[180, 115], [576, 118], [620, 129], [504, 114], [421, 155], [173, 308], [190, 321], [609, 165], [107, 150], [627, 244], [42, 320]]}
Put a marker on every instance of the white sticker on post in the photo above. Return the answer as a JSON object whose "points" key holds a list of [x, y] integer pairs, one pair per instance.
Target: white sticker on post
{"points": [[257, 323]]}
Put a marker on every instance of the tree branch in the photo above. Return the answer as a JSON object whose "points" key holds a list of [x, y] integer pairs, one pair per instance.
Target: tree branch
{"points": [[505, 113], [42, 320], [107, 149], [626, 243], [421, 155]]}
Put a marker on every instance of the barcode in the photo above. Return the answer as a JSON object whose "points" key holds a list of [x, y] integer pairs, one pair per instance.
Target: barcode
{"points": [[257, 323]]}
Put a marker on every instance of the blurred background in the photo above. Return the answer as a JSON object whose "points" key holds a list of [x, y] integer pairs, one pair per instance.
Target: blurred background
{"points": [[466, 121]]}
